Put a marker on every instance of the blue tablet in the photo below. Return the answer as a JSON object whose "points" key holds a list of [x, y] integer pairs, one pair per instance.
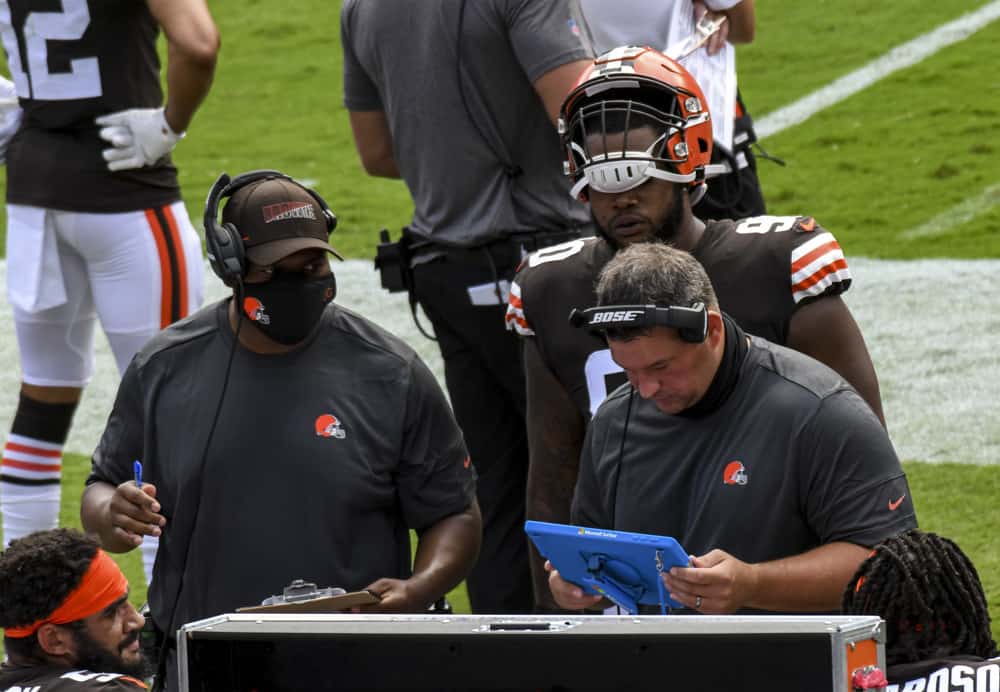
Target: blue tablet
{"points": [[625, 567]]}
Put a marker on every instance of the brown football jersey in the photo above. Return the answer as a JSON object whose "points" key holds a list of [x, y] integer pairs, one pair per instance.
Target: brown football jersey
{"points": [[762, 269]]}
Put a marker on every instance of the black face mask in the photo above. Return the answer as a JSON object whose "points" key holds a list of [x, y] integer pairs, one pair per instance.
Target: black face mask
{"points": [[288, 307]]}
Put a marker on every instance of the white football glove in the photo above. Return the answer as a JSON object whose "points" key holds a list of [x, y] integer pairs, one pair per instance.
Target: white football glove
{"points": [[138, 137], [10, 114]]}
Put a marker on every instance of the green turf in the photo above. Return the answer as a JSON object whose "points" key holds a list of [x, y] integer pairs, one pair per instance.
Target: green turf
{"points": [[959, 501], [803, 46], [899, 154], [892, 157]]}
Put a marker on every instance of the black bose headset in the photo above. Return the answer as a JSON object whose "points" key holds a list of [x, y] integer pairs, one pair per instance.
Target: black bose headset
{"points": [[691, 323], [223, 242]]}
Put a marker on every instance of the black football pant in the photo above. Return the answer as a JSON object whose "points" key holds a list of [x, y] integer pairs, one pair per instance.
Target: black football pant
{"points": [[735, 195], [485, 379]]}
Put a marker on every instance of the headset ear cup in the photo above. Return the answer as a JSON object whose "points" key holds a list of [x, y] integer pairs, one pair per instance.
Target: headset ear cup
{"points": [[692, 336], [696, 335], [232, 255], [230, 262], [331, 218], [215, 251]]}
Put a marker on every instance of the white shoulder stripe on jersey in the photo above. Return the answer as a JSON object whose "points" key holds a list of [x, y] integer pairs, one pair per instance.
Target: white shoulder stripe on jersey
{"points": [[517, 324], [827, 259], [810, 245], [514, 317], [822, 285]]}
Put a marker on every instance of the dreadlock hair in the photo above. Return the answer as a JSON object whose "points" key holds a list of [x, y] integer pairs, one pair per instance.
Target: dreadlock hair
{"points": [[37, 573], [928, 592]]}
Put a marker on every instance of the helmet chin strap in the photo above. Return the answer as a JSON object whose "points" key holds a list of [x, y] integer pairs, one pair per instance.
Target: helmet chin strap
{"points": [[615, 177], [697, 192], [617, 172]]}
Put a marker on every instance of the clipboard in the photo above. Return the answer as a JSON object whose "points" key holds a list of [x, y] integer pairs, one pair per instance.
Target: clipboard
{"points": [[323, 604], [703, 30], [623, 566]]}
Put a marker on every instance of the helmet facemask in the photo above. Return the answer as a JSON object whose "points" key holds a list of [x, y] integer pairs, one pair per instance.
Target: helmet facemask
{"points": [[628, 94], [615, 145]]}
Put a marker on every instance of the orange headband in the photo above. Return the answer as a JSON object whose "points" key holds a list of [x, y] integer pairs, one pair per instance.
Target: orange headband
{"points": [[103, 583]]}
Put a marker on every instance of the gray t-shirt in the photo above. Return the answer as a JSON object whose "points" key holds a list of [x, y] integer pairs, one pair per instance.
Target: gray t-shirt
{"points": [[792, 460], [403, 57], [321, 459]]}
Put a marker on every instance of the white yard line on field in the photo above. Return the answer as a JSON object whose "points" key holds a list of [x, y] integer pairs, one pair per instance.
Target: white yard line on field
{"points": [[961, 213], [900, 57]]}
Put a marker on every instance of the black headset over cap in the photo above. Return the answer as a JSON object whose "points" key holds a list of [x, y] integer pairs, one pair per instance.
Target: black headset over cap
{"points": [[269, 216]]}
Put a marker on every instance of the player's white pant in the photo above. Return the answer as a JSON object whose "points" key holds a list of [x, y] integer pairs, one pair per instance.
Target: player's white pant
{"points": [[138, 271], [135, 271]]}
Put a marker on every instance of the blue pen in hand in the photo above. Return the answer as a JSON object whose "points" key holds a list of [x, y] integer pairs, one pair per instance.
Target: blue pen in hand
{"points": [[137, 471]]}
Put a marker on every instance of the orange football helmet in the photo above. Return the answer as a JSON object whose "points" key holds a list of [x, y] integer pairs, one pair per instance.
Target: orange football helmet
{"points": [[625, 90]]}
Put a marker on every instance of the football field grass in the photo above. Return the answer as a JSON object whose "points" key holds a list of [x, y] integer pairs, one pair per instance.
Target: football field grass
{"points": [[889, 158], [907, 168]]}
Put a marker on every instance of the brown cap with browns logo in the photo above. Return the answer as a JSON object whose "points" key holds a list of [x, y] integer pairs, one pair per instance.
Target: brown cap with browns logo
{"points": [[275, 218]]}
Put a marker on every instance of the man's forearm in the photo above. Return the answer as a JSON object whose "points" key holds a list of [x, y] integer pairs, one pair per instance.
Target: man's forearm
{"points": [[826, 330], [189, 77], [446, 553], [811, 582], [742, 22], [373, 140], [555, 438], [552, 476], [192, 51]]}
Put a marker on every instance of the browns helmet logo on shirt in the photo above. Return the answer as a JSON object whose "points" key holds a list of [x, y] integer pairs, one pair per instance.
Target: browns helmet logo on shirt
{"points": [[255, 310], [735, 474], [327, 425]]}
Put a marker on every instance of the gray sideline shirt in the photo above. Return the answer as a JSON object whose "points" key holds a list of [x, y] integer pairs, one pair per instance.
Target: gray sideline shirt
{"points": [[400, 58], [321, 461], [792, 460]]}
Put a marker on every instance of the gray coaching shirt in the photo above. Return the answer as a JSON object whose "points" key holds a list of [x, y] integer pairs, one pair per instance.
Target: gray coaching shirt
{"points": [[321, 460], [404, 57], [792, 460]]}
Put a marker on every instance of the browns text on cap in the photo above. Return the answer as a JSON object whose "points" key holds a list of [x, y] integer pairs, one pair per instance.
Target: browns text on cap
{"points": [[276, 218]]}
